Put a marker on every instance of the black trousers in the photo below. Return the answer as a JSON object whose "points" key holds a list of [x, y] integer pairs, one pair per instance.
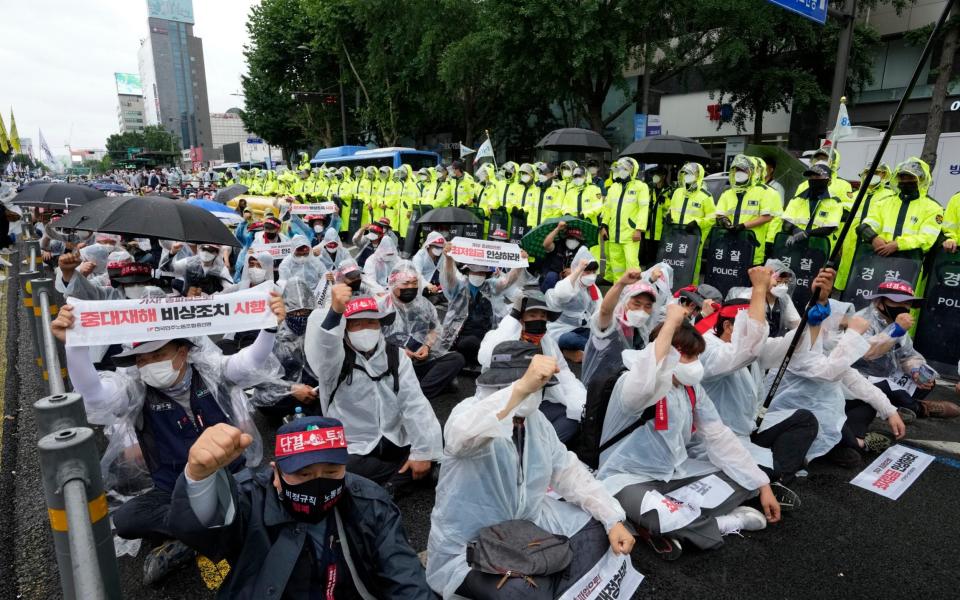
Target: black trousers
{"points": [[860, 414], [382, 464], [789, 440], [469, 346], [144, 517], [588, 545], [436, 374]]}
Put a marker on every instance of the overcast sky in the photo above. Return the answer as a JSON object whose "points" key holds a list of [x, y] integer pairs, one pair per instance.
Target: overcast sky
{"points": [[57, 61]]}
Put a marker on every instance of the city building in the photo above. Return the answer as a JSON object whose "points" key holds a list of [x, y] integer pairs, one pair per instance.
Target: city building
{"points": [[227, 128], [130, 115], [173, 75]]}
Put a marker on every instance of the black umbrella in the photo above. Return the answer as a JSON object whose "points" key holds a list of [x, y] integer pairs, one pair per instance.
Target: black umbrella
{"points": [[574, 139], [229, 193], [448, 215], [56, 195], [666, 149], [150, 216]]}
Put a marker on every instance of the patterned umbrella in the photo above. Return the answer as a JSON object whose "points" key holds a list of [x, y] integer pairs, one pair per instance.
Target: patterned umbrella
{"points": [[532, 242]]}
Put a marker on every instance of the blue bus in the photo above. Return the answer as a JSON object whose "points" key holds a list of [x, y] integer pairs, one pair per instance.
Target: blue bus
{"points": [[352, 156]]}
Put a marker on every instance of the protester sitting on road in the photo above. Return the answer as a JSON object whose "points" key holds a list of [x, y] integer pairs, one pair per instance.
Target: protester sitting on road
{"points": [[738, 349], [371, 386], [577, 297], [127, 279], [656, 410], [484, 483], [782, 315], [367, 239], [563, 403], [331, 251], [377, 269], [270, 233], [820, 376], [427, 260], [892, 363], [302, 263], [559, 259], [205, 272], [416, 329], [295, 528], [476, 302], [174, 391]]}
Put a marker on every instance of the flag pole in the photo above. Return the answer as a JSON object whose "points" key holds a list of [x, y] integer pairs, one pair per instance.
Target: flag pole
{"points": [[492, 151], [861, 194]]}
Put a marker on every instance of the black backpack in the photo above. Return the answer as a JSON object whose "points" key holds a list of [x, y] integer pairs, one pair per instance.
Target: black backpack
{"points": [[599, 390], [350, 364]]}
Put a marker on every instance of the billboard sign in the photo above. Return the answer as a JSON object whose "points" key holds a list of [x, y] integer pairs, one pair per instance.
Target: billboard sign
{"points": [[815, 10], [653, 125], [171, 10], [639, 126], [129, 84]]}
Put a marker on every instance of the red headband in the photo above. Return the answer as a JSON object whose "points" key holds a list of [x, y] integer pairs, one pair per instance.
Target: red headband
{"points": [[689, 288], [730, 311], [365, 304], [299, 442]]}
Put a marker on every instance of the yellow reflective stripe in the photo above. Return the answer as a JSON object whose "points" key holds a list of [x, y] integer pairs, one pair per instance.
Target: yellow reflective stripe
{"points": [[28, 302], [931, 230], [96, 507]]}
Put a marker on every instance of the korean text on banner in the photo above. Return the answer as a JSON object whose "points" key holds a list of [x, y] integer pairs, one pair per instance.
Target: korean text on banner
{"points": [[278, 250], [487, 253], [612, 577], [318, 208], [102, 322], [894, 471]]}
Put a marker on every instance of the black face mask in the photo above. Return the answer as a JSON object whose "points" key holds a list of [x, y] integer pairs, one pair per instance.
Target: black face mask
{"points": [[819, 186], [909, 190], [538, 327], [297, 324], [407, 295], [269, 235], [892, 312], [310, 501], [355, 285]]}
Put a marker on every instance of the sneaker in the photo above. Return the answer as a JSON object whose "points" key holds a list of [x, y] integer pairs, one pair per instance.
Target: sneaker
{"points": [[877, 441], [788, 499], [668, 549], [750, 518], [847, 458], [907, 415], [163, 559], [940, 409]]}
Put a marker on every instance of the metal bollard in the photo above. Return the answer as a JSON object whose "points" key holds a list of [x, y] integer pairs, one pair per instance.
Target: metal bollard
{"points": [[27, 292], [79, 521], [32, 250], [46, 303], [59, 411]]}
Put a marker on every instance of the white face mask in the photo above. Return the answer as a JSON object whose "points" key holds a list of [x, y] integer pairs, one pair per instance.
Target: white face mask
{"points": [[637, 318], [160, 375], [821, 161], [422, 177], [588, 280], [134, 292], [657, 179], [875, 180], [481, 175], [740, 177], [525, 178], [593, 170], [578, 180], [572, 244], [371, 236], [256, 275], [476, 280], [689, 373], [300, 259], [530, 404], [364, 340], [780, 290], [566, 173], [206, 256], [436, 251], [318, 228], [542, 177], [624, 173]]}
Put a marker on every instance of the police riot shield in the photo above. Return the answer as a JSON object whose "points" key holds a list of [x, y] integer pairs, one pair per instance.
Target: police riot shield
{"points": [[518, 225], [938, 327], [356, 216], [870, 269], [679, 248], [727, 257], [498, 220], [473, 230], [805, 259], [412, 241]]}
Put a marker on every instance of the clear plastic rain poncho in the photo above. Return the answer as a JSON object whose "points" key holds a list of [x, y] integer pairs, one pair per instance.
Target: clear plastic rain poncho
{"points": [[416, 320], [254, 276], [332, 261], [814, 380], [98, 253], [783, 306], [116, 401], [576, 302], [648, 454], [569, 391], [483, 483], [427, 264], [602, 354], [309, 268], [288, 349], [888, 357], [377, 269]]}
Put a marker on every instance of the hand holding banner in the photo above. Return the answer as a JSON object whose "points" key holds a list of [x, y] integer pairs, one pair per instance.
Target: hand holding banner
{"points": [[487, 253], [102, 322], [612, 577]]}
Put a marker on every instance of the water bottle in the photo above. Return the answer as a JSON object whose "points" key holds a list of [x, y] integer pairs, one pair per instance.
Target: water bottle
{"points": [[297, 414]]}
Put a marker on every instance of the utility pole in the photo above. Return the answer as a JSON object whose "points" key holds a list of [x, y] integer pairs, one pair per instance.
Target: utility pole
{"points": [[844, 46]]}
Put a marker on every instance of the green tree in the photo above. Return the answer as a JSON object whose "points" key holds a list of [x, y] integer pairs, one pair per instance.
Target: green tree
{"points": [[153, 138]]}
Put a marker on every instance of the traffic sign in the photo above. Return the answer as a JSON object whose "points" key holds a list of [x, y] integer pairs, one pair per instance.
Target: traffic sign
{"points": [[815, 10]]}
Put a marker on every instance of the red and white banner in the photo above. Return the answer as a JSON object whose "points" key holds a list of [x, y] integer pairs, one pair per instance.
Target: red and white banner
{"points": [[612, 577], [894, 471], [277, 250], [487, 253], [682, 506], [103, 322], [314, 208]]}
